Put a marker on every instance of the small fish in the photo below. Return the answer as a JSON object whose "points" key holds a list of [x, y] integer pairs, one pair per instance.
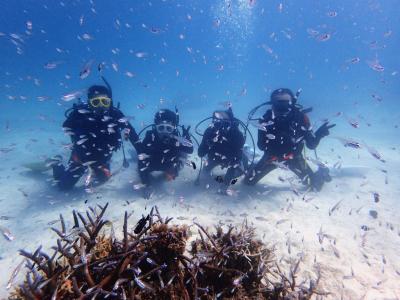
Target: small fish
{"points": [[335, 251], [155, 30], [143, 156], [89, 178], [376, 66], [23, 192], [5, 218], [349, 143], [335, 207], [377, 97], [14, 275], [83, 111], [312, 32], [320, 235], [81, 19], [261, 219], [373, 214], [85, 72], [233, 181], [365, 227], [81, 141], [376, 197], [374, 152], [71, 96], [29, 25], [281, 221], [141, 224], [231, 192], [323, 37], [130, 74], [87, 37], [100, 67], [52, 65], [141, 54], [354, 123], [143, 285], [88, 163], [115, 67], [190, 164], [354, 60], [151, 262], [6, 150], [219, 179], [332, 14], [53, 222], [138, 186], [7, 233]]}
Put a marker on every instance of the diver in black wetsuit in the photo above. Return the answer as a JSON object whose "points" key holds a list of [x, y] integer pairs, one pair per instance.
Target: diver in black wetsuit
{"points": [[223, 144], [283, 130], [163, 149], [95, 129]]}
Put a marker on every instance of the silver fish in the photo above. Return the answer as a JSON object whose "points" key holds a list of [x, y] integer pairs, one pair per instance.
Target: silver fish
{"points": [[7, 233], [81, 141], [86, 70], [281, 221], [143, 285], [14, 274], [336, 206]]}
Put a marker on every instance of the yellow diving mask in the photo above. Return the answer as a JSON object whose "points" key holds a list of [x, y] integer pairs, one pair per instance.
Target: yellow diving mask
{"points": [[100, 102]]}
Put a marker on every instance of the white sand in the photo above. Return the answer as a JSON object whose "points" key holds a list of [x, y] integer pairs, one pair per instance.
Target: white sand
{"points": [[268, 203]]}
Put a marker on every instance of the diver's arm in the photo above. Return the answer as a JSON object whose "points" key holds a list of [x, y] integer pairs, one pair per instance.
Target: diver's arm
{"points": [[262, 139], [205, 142], [128, 130], [237, 148], [186, 148], [72, 125], [146, 145], [311, 139], [132, 136]]}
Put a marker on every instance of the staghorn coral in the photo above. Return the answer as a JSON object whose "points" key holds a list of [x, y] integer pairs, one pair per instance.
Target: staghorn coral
{"points": [[153, 262]]}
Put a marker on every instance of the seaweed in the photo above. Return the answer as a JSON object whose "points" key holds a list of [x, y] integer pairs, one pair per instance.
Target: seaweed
{"points": [[157, 262]]}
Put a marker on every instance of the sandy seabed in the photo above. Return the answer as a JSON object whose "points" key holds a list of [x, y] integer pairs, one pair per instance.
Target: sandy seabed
{"points": [[356, 263]]}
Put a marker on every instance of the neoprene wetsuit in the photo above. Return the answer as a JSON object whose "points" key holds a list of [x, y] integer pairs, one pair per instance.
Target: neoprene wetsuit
{"points": [[282, 139], [94, 138]]}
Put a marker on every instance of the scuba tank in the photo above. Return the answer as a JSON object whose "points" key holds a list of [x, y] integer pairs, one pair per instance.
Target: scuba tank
{"points": [[239, 123]]}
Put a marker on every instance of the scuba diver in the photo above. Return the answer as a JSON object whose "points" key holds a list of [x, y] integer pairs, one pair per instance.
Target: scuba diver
{"points": [[163, 149], [95, 129], [223, 144], [282, 133]]}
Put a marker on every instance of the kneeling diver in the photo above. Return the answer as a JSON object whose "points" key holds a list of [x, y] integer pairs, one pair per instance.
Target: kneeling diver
{"points": [[283, 131], [223, 143]]}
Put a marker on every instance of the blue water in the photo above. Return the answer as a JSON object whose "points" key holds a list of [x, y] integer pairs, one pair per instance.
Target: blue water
{"points": [[232, 35], [199, 56]]}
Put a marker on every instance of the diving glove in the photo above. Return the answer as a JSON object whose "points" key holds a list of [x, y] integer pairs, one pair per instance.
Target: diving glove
{"points": [[323, 131]]}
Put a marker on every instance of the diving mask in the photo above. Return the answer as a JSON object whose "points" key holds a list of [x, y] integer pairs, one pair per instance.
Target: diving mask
{"points": [[100, 101], [165, 128]]}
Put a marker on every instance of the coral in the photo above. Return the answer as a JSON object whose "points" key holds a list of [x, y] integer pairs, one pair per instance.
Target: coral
{"points": [[154, 261]]}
